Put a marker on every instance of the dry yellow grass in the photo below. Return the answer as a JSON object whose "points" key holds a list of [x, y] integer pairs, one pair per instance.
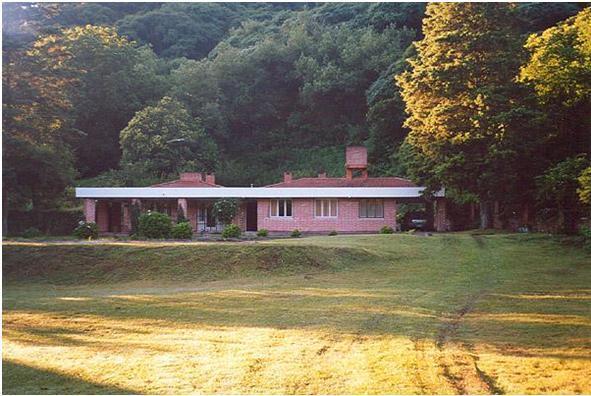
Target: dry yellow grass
{"points": [[439, 315]]}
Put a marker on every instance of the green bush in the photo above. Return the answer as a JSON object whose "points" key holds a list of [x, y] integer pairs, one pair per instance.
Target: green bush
{"points": [[231, 231], [31, 232], [182, 230], [332, 233], [225, 209], [155, 225], [296, 233], [86, 230], [386, 230], [585, 232], [262, 232]]}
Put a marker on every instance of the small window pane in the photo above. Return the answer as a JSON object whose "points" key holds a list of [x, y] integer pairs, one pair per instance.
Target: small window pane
{"points": [[281, 207], [318, 208], [371, 208], [363, 208], [325, 209], [333, 207], [379, 208], [288, 207], [274, 207]]}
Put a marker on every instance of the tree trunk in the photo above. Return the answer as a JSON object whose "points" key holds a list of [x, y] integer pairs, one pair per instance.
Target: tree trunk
{"points": [[484, 215]]}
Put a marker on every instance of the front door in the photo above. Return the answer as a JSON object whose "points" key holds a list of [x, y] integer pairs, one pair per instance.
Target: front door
{"points": [[251, 216], [115, 217]]}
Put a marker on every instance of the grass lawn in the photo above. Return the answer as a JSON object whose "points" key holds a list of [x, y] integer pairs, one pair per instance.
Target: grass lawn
{"points": [[450, 313]]}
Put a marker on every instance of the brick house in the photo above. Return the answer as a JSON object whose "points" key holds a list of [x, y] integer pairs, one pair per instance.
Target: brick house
{"points": [[355, 203]]}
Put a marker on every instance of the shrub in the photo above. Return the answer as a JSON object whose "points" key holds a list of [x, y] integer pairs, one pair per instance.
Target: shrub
{"points": [[225, 209], [231, 231], [296, 233], [585, 232], [154, 225], [386, 230], [86, 230], [180, 215], [262, 232], [31, 232], [332, 233], [182, 230]]}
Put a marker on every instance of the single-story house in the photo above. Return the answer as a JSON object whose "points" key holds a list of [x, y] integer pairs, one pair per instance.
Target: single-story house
{"points": [[354, 203]]}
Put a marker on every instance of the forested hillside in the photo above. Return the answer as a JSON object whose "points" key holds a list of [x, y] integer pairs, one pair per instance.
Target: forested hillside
{"points": [[126, 94]]}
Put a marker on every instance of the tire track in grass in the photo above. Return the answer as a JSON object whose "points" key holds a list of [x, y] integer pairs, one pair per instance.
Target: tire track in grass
{"points": [[458, 360]]}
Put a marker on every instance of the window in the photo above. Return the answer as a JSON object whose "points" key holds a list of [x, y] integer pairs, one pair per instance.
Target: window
{"points": [[371, 208], [326, 208], [280, 208]]}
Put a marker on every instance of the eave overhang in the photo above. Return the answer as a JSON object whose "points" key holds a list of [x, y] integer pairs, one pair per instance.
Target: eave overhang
{"points": [[251, 192]]}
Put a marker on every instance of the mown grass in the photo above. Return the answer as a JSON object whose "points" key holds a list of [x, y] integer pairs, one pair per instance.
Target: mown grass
{"points": [[454, 313]]}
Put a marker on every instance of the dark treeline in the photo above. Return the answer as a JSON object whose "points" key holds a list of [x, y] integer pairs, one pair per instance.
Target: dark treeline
{"points": [[125, 94]]}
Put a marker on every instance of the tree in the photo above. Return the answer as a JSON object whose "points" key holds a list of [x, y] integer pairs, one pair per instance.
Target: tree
{"points": [[165, 139], [225, 209], [559, 186], [559, 69], [466, 113], [37, 125], [584, 189], [109, 75], [560, 63]]}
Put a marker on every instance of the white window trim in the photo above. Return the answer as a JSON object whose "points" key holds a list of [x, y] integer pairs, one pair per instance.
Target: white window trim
{"points": [[329, 208], [271, 202]]}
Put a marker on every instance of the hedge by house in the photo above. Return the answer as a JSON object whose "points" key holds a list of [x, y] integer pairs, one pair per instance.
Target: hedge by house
{"points": [[49, 222]]}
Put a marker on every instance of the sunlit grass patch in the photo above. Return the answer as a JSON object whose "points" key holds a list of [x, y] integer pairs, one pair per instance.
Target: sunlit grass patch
{"points": [[412, 315]]}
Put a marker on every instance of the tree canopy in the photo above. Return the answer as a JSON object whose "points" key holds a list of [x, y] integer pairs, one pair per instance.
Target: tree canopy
{"points": [[93, 91]]}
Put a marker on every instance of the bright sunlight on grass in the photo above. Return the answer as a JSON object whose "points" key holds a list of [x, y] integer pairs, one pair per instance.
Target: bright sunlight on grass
{"points": [[455, 313]]}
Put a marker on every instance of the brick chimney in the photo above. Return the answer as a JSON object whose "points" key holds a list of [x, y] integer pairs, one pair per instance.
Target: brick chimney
{"points": [[356, 161], [210, 178], [287, 177], [322, 175], [192, 176]]}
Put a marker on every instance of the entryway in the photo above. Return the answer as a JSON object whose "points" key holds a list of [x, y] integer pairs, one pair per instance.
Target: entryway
{"points": [[251, 215]]}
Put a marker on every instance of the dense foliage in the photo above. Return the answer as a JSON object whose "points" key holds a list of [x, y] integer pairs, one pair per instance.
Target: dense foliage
{"points": [[231, 231], [130, 94], [154, 225], [225, 209], [86, 230], [182, 230]]}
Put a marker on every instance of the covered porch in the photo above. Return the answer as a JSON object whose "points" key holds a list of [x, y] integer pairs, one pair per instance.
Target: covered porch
{"points": [[114, 216]]}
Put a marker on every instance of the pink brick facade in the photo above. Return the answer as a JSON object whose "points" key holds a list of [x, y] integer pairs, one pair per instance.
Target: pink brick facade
{"points": [[304, 219], [114, 215]]}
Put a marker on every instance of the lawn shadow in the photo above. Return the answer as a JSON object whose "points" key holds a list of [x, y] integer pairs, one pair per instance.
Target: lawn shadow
{"points": [[417, 314], [18, 378]]}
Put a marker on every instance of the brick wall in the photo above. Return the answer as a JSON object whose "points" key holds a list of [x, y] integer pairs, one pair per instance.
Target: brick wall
{"points": [[303, 218]]}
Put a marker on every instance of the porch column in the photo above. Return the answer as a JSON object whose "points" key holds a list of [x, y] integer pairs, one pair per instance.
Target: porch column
{"points": [[126, 226], [441, 222], [90, 210], [136, 201], [182, 203]]}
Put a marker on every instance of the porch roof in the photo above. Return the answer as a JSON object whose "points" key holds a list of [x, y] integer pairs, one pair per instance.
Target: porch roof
{"points": [[251, 192]]}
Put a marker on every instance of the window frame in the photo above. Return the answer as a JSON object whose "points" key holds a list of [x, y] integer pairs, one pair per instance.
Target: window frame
{"points": [[274, 204], [322, 202], [371, 205]]}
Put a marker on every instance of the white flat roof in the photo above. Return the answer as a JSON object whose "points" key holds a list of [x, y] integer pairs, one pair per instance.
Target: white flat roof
{"points": [[251, 192]]}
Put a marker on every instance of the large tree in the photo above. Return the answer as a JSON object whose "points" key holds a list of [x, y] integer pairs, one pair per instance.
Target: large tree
{"points": [[164, 139], [466, 118], [111, 77]]}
